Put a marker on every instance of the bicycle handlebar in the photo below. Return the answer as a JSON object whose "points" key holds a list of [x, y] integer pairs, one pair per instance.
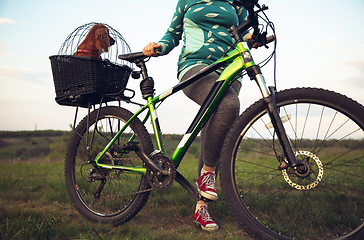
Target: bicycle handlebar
{"points": [[259, 43], [252, 21]]}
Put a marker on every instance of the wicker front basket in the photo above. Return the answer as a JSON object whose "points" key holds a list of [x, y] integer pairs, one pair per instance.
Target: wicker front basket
{"points": [[78, 80]]}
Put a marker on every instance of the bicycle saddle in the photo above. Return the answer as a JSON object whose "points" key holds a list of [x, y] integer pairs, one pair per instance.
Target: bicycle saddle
{"points": [[133, 57]]}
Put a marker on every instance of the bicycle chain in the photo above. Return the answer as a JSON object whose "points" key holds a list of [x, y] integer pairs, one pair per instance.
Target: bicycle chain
{"points": [[160, 186], [162, 182], [127, 194]]}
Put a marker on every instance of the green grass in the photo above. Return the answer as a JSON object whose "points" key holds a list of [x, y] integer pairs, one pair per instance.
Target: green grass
{"points": [[34, 203], [24, 145]]}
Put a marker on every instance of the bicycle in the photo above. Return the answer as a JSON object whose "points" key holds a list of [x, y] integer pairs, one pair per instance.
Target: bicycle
{"points": [[291, 166]]}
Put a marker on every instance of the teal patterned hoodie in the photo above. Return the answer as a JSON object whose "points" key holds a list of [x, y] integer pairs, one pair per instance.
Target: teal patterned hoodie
{"points": [[204, 24]]}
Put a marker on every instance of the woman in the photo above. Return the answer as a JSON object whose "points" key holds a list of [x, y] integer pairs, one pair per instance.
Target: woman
{"points": [[206, 39]]}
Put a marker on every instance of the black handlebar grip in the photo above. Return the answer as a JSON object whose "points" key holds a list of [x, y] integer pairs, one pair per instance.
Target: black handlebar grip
{"points": [[271, 39], [255, 44]]}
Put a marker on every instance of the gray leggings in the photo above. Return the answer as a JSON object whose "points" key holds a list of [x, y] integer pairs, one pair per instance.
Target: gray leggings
{"points": [[215, 130]]}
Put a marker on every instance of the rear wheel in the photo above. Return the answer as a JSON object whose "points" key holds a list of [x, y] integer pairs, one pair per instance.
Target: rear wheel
{"points": [[324, 200], [102, 194]]}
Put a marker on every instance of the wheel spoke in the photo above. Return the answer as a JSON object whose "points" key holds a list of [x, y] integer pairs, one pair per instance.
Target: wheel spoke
{"points": [[106, 194], [322, 200]]}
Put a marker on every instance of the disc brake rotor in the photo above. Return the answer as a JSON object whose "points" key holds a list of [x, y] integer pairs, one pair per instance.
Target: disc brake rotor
{"points": [[309, 180]]}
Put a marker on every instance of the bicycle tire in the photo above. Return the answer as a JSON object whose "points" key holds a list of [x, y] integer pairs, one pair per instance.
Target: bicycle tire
{"points": [[326, 130], [100, 194]]}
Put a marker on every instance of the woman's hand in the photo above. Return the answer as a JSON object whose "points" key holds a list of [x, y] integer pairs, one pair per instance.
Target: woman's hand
{"points": [[149, 49], [250, 36]]}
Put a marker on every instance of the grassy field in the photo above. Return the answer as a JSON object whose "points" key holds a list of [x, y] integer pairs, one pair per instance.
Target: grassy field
{"points": [[34, 203]]}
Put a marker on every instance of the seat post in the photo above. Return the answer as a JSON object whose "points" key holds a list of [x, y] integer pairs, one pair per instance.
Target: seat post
{"points": [[147, 84], [143, 68]]}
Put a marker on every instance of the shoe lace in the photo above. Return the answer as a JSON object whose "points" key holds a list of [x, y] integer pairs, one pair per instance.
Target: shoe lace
{"points": [[209, 180], [205, 214]]}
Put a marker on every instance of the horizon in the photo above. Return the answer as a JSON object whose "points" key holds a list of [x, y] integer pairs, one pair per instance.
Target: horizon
{"points": [[325, 33]]}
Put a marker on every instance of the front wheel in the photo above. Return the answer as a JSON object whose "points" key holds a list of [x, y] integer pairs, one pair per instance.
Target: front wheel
{"points": [[326, 201], [107, 195]]}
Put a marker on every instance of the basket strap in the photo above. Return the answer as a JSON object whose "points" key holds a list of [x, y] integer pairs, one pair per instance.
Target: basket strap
{"points": [[93, 52]]}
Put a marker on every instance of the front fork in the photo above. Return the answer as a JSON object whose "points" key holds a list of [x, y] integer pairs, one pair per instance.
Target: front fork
{"points": [[270, 103]]}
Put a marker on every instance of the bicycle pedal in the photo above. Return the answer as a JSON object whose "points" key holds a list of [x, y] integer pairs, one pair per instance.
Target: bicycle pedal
{"points": [[205, 199]]}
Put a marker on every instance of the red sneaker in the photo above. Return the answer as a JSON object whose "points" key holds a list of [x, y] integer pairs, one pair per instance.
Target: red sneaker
{"points": [[206, 186], [202, 218]]}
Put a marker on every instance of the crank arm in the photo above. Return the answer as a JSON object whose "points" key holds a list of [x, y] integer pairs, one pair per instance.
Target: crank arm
{"points": [[190, 189], [154, 167]]}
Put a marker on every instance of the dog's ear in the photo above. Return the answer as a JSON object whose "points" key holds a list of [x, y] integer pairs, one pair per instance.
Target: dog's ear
{"points": [[102, 38]]}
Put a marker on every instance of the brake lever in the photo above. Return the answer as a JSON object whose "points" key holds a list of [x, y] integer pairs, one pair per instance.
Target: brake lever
{"points": [[261, 9], [260, 39], [268, 40]]}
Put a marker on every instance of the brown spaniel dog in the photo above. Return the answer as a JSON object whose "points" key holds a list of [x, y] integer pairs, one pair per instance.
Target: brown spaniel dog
{"points": [[96, 42]]}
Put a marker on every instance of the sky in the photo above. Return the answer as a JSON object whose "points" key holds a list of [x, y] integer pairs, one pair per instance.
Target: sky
{"points": [[320, 43]]}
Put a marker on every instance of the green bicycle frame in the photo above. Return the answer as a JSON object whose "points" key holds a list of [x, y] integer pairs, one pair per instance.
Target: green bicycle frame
{"points": [[236, 61]]}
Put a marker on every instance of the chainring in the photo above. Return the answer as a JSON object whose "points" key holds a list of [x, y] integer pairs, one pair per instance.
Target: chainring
{"points": [[161, 182]]}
